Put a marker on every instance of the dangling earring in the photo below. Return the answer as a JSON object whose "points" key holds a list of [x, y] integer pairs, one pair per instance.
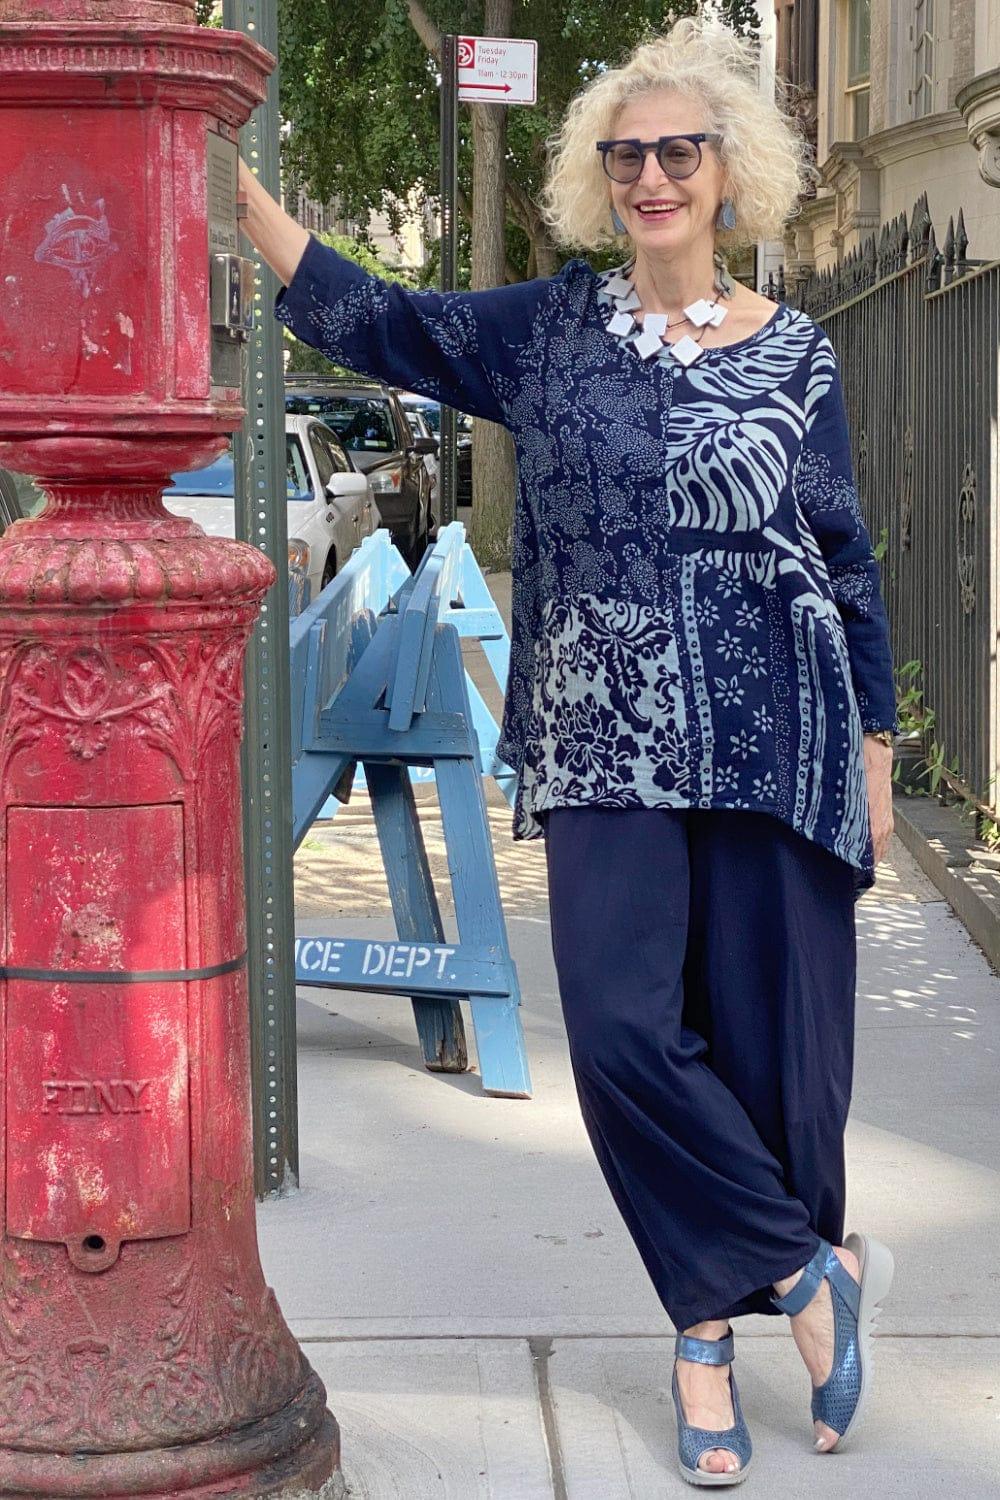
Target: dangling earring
{"points": [[617, 222], [727, 215]]}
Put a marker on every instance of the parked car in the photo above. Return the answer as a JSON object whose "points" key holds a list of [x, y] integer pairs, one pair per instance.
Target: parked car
{"points": [[370, 422], [431, 413], [330, 504], [419, 427]]}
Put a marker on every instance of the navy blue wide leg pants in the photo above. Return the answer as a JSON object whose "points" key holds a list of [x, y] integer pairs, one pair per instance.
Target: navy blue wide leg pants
{"points": [[706, 961]]}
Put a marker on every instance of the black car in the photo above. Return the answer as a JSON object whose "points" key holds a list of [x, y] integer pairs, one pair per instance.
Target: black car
{"points": [[431, 411], [368, 419]]}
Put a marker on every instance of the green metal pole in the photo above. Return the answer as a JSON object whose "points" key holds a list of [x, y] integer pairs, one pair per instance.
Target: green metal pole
{"points": [[261, 518], [448, 498]]}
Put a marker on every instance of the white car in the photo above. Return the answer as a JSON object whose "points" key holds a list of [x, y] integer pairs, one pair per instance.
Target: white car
{"points": [[330, 505]]}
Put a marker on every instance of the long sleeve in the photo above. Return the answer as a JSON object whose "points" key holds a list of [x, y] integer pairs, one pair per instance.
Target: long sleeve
{"points": [[826, 489], [456, 347]]}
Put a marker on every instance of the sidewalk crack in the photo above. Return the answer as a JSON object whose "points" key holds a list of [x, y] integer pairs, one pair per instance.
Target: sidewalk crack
{"points": [[541, 1353]]}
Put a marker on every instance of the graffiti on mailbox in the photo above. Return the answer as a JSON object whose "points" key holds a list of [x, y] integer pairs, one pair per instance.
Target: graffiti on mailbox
{"points": [[77, 242]]}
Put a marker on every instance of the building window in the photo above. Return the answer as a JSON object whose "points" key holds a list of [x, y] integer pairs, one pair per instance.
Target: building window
{"points": [[858, 73], [922, 93]]}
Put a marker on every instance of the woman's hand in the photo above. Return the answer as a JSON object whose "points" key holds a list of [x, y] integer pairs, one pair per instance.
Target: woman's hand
{"points": [[878, 771]]}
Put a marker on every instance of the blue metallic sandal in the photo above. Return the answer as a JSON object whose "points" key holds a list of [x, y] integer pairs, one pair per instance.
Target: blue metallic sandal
{"points": [[841, 1399], [692, 1442]]}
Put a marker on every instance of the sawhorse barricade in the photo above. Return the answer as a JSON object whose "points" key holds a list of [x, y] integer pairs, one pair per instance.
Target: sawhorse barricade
{"points": [[387, 687], [466, 603]]}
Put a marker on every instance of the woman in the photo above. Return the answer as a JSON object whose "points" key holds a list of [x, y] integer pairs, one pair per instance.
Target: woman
{"points": [[701, 699]]}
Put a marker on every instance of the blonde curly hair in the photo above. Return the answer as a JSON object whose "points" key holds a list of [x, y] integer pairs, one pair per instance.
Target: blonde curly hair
{"points": [[764, 154]]}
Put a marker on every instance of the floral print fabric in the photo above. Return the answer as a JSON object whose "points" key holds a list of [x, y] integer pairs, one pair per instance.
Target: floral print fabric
{"points": [[696, 609]]}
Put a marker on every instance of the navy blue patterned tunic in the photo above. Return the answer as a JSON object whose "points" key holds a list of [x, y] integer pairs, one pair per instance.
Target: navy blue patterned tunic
{"points": [[696, 609]]}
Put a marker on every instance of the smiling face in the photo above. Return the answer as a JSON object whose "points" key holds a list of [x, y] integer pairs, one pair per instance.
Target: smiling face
{"points": [[693, 201]]}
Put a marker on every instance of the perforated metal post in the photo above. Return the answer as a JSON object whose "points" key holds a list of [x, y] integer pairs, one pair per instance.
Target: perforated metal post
{"points": [[261, 518], [449, 209]]}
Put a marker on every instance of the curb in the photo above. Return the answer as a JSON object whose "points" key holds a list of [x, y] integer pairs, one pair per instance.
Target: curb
{"points": [[946, 850]]}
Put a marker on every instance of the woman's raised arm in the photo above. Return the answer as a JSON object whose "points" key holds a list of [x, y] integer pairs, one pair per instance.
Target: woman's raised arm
{"points": [[280, 240], [467, 349]]}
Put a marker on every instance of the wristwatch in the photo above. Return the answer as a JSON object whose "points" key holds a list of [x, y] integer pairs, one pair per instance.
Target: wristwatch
{"points": [[887, 736]]}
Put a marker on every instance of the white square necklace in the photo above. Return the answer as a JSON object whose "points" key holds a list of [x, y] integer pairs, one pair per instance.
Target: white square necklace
{"points": [[650, 336]]}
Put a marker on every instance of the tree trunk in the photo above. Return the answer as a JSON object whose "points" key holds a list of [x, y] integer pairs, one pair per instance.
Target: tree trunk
{"points": [[546, 256], [525, 213], [493, 466]]}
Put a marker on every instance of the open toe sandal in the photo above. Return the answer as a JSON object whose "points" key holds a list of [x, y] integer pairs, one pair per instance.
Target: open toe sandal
{"points": [[692, 1442], [841, 1399]]}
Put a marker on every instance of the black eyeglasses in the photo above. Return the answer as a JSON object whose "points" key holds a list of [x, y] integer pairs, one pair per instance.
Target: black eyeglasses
{"points": [[678, 155]]}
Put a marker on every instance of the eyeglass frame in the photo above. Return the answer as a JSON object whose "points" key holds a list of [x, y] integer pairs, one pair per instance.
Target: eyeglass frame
{"points": [[643, 147]]}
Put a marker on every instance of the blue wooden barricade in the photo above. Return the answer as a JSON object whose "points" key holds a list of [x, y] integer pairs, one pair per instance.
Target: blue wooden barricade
{"points": [[466, 603], [387, 687]]}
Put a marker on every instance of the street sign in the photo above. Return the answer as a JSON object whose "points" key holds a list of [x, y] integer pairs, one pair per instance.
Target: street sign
{"points": [[497, 69]]}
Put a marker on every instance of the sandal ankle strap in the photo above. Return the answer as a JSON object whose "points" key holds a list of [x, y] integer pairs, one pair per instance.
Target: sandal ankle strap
{"points": [[808, 1283], [705, 1351]]}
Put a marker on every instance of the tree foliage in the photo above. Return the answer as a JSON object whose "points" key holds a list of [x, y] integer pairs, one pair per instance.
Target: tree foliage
{"points": [[359, 90]]}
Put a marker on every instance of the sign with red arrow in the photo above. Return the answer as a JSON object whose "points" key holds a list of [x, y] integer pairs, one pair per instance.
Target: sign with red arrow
{"points": [[497, 69]]}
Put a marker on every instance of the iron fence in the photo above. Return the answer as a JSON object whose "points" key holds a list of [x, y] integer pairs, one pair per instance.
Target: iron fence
{"points": [[917, 333]]}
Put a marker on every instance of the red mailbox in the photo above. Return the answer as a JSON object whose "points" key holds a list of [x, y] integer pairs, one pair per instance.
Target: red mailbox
{"points": [[141, 1352]]}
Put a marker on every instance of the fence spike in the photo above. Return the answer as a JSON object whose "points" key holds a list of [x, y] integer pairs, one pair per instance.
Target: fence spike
{"points": [[961, 246], [949, 252], [920, 227], [934, 260]]}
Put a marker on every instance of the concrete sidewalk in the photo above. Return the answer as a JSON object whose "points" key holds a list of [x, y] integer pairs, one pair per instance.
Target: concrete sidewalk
{"points": [[459, 1275]]}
